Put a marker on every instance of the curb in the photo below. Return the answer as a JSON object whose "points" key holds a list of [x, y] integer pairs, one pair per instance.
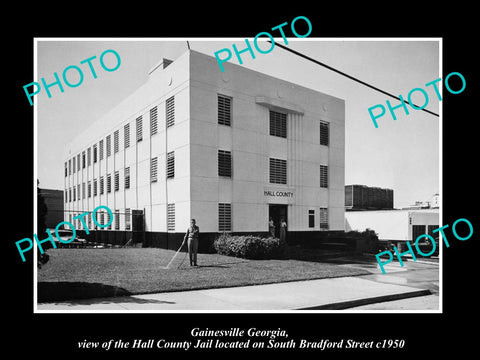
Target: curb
{"points": [[367, 301]]}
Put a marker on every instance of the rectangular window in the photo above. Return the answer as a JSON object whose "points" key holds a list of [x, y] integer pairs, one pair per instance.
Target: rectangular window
{"points": [[128, 219], [170, 111], [171, 217], [116, 181], [126, 135], [95, 154], [83, 160], [89, 156], [224, 217], [311, 218], [324, 133], [109, 145], [70, 195], [73, 164], [66, 195], [78, 162], [127, 178], [109, 183], [153, 169], [418, 230], [278, 124], [278, 171], [89, 189], [78, 192], [74, 197], [95, 185], [138, 128], [224, 110], [101, 149], [83, 190], [117, 220], [116, 141], [171, 165], [69, 166], [102, 188], [66, 169], [153, 121], [323, 218], [224, 163], [324, 176]]}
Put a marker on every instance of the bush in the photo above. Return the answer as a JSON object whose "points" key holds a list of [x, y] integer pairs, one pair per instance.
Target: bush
{"points": [[365, 240], [249, 246]]}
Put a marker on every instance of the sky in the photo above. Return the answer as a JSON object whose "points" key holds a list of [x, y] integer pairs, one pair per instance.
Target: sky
{"points": [[402, 155]]}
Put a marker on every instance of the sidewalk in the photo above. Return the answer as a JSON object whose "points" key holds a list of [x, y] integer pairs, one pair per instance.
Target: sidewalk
{"points": [[323, 294]]}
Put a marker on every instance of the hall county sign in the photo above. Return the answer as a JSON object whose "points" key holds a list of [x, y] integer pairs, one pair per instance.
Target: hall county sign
{"points": [[279, 195]]}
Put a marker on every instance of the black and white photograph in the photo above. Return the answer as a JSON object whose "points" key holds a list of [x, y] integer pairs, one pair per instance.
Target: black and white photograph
{"points": [[294, 182], [184, 181]]}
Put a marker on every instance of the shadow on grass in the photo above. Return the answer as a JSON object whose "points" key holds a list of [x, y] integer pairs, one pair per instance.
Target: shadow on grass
{"points": [[65, 290]]}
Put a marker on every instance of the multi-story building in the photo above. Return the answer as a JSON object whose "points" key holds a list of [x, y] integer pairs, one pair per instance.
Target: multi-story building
{"points": [[231, 149]]}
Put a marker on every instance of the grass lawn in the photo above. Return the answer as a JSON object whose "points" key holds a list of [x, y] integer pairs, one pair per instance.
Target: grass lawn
{"points": [[87, 273]]}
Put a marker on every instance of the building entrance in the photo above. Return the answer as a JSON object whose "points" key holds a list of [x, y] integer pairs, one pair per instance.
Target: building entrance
{"points": [[276, 213]]}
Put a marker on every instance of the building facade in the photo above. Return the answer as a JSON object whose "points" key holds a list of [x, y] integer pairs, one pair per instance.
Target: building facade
{"points": [[231, 150], [361, 197]]}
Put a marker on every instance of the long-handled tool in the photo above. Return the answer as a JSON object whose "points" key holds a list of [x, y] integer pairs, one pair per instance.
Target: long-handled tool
{"points": [[174, 256]]}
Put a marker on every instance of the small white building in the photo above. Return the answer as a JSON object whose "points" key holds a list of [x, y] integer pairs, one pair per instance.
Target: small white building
{"points": [[395, 226], [230, 149]]}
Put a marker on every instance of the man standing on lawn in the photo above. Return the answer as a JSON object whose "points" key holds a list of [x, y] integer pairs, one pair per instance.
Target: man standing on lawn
{"points": [[192, 236]]}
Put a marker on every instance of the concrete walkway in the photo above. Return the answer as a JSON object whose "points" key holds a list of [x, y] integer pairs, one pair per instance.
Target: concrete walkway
{"points": [[326, 294]]}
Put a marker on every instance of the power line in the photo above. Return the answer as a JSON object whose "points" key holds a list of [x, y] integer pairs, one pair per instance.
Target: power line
{"points": [[348, 76]]}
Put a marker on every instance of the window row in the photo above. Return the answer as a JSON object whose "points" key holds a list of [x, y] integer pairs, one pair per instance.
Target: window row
{"points": [[103, 218], [104, 146], [277, 123]]}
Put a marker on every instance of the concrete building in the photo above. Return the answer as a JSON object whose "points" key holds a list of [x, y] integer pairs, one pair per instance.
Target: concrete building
{"points": [[361, 197], [54, 202], [229, 149], [396, 226]]}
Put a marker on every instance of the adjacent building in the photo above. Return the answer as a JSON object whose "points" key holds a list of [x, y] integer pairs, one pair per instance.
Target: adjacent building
{"points": [[230, 149], [361, 197]]}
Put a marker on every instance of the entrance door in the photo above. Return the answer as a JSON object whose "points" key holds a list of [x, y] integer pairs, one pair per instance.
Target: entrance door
{"points": [[277, 212]]}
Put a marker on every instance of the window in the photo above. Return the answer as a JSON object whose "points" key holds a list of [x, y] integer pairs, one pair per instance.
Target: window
{"points": [[101, 149], [116, 181], [128, 219], [224, 217], [153, 121], [127, 178], [66, 195], [224, 163], [116, 141], [73, 164], [117, 220], [95, 153], [224, 110], [139, 131], [83, 190], [83, 160], [69, 166], [171, 165], [66, 169], [153, 169], [170, 111], [70, 195], [324, 176], [324, 133], [126, 135], [89, 189], [311, 218], [278, 171], [74, 197], [89, 156], [95, 186], [171, 217], [430, 229], [78, 191], [109, 145], [323, 218], [102, 185], [109, 183], [278, 124]]}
